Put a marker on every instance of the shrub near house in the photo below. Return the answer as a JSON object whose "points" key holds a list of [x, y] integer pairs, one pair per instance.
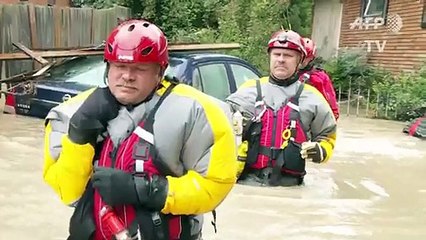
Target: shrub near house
{"points": [[403, 95]]}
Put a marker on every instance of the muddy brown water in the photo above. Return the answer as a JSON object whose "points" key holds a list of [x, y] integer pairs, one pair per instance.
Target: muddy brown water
{"points": [[374, 187]]}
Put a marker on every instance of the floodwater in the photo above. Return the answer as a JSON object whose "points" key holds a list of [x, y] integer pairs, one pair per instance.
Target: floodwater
{"points": [[374, 187]]}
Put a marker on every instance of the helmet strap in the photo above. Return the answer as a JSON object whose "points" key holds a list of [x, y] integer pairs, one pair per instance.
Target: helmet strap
{"points": [[106, 74]]}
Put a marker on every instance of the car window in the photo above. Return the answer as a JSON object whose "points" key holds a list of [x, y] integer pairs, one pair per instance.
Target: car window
{"points": [[214, 80], [175, 65], [242, 74], [196, 80]]}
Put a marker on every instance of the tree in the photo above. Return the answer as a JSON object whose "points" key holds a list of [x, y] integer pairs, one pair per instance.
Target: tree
{"points": [[248, 22]]}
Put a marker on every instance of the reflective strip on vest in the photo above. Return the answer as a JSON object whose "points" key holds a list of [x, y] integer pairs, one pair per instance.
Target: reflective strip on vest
{"points": [[145, 135], [293, 106], [139, 166]]}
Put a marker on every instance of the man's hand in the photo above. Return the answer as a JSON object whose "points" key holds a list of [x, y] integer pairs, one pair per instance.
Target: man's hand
{"points": [[312, 151], [115, 186], [118, 188], [242, 157], [92, 117]]}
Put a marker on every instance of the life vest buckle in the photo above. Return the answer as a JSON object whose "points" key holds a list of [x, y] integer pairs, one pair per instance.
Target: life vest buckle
{"points": [[156, 219], [274, 152]]}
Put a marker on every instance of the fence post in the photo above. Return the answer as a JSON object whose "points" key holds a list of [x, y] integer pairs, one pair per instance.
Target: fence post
{"points": [[377, 104], [349, 98], [340, 95], [32, 17], [387, 103], [357, 103], [368, 103], [396, 109]]}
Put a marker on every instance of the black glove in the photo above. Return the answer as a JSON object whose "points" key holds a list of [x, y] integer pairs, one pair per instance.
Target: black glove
{"points": [[92, 117], [118, 188]]}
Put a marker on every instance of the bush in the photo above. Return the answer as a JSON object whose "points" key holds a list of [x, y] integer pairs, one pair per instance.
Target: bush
{"points": [[402, 95], [351, 70], [406, 94], [247, 22]]}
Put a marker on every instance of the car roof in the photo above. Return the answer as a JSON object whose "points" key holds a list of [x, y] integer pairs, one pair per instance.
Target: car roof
{"points": [[182, 55], [201, 55]]}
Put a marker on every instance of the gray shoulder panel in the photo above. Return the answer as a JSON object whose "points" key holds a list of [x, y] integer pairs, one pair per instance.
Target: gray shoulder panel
{"points": [[59, 118]]}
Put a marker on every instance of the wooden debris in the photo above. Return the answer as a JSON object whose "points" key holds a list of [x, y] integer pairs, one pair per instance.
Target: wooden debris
{"points": [[96, 51], [30, 53], [28, 75]]}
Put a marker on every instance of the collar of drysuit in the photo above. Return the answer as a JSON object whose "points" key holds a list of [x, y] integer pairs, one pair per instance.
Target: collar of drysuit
{"points": [[283, 82]]}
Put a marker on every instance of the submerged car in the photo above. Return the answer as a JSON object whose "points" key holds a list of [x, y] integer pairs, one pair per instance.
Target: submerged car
{"points": [[217, 75]]}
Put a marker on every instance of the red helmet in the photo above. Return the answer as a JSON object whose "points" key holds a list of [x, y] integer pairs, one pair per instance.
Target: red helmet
{"points": [[137, 41], [287, 39], [311, 48]]}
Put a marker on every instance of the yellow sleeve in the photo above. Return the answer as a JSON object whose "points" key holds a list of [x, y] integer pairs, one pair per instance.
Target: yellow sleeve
{"points": [[327, 143], [67, 175], [324, 123], [242, 157], [201, 191]]}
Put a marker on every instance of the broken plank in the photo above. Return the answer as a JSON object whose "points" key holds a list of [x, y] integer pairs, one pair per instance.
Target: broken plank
{"points": [[50, 54], [75, 53], [30, 53], [44, 69], [14, 78]]}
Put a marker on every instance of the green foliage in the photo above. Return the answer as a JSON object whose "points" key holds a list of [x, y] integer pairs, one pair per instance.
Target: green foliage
{"points": [[251, 23], [403, 95], [252, 29], [350, 69], [247, 22], [299, 15]]}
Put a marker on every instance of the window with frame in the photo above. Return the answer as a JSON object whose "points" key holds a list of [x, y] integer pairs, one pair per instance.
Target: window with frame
{"points": [[374, 8], [214, 80], [242, 74]]}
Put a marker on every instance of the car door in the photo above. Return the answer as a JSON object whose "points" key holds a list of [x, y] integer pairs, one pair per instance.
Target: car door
{"points": [[212, 79]]}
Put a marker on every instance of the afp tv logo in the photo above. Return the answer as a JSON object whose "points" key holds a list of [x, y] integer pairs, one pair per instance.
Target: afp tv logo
{"points": [[394, 23]]}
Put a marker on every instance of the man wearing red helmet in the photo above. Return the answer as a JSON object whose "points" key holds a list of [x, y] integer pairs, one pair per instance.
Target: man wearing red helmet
{"points": [[152, 154], [286, 121], [317, 77]]}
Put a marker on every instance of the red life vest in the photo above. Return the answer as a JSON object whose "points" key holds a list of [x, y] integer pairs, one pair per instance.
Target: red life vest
{"points": [[275, 138], [137, 155], [414, 129]]}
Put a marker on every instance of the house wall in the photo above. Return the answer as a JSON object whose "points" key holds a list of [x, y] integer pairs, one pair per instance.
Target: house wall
{"points": [[326, 26], [398, 44]]}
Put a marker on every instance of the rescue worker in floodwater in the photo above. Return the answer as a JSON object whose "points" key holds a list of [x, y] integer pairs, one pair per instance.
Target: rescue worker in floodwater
{"points": [[155, 153], [285, 121], [318, 77]]}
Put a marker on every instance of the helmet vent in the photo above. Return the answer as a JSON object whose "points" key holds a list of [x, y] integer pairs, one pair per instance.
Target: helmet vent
{"points": [[146, 51], [145, 24], [109, 48], [131, 27]]}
